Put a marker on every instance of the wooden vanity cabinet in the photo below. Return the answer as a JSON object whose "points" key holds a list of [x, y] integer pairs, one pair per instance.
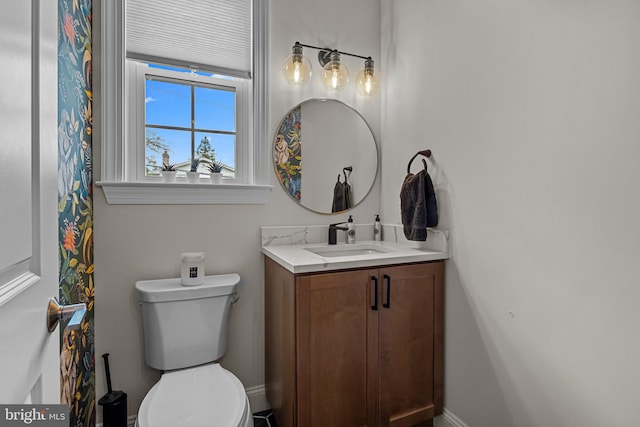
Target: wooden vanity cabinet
{"points": [[355, 348]]}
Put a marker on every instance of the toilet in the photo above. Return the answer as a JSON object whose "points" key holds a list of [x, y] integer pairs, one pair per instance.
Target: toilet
{"points": [[185, 331]]}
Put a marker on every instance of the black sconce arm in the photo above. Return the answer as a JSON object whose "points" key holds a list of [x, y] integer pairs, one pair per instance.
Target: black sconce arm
{"points": [[324, 53]]}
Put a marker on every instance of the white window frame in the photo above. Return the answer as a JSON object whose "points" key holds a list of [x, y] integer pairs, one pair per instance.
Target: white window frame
{"points": [[135, 119], [120, 152]]}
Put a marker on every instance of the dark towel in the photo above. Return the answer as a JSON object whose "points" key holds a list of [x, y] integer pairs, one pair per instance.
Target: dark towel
{"points": [[342, 199], [418, 206]]}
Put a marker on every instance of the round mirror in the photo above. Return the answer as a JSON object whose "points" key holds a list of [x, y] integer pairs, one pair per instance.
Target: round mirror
{"points": [[325, 156]]}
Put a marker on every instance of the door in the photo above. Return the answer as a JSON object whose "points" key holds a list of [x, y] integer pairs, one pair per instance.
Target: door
{"points": [[337, 336], [28, 191], [411, 344]]}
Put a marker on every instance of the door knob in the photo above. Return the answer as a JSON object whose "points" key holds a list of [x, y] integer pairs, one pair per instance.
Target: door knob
{"points": [[57, 312]]}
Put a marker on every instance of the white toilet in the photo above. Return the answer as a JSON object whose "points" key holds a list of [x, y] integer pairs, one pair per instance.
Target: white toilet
{"points": [[185, 330]]}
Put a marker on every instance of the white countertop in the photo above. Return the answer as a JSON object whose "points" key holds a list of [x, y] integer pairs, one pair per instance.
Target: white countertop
{"points": [[297, 258]]}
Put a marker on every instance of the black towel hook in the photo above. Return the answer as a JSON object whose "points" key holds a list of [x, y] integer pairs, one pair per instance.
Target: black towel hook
{"points": [[426, 153], [344, 171]]}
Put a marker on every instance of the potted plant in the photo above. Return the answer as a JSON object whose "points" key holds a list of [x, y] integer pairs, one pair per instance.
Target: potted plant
{"points": [[168, 172], [216, 171], [193, 175]]}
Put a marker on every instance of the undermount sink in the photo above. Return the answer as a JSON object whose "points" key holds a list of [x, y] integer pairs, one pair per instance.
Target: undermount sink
{"points": [[347, 250]]}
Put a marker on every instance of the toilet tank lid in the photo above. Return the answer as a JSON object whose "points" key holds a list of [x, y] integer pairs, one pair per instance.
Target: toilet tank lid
{"points": [[173, 290]]}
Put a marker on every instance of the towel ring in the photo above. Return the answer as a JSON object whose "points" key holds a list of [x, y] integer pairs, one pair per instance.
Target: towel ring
{"points": [[426, 153]]}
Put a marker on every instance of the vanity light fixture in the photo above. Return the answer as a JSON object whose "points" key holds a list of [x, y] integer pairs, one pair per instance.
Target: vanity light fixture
{"points": [[335, 75], [296, 68], [367, 83]]}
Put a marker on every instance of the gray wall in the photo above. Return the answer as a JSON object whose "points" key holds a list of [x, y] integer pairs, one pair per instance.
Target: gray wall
{"points": [[531, 109], [144, 242]]}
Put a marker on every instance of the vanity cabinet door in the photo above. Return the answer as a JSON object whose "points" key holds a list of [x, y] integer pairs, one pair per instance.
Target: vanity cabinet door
{"points": [[337, 349], [411, 344]]}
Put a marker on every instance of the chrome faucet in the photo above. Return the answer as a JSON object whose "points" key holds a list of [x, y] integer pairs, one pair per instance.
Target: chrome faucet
{"points": [[333, 232]]}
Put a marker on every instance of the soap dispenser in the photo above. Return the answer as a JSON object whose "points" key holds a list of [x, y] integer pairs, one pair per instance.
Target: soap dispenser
{"points": [[377, 229], [351, 230]]}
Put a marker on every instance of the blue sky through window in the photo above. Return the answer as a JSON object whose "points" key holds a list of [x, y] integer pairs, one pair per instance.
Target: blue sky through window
{"points": [[169, 104]]}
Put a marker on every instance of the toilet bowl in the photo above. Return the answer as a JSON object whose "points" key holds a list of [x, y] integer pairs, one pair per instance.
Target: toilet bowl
{"points": [[207, 395], [184, 336]]}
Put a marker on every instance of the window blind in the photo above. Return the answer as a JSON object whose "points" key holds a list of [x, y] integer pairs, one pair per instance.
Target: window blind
{"points": [[210, 35]]}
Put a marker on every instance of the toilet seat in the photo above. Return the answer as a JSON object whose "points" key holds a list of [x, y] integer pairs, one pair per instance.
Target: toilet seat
{"points": [[207, 395]]}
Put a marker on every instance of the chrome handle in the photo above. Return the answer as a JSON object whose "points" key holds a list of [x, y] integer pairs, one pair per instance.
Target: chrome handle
{"points": [[57, 312]]}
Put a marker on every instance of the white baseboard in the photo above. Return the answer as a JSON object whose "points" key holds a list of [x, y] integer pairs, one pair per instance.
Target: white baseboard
{"points": [[258, 398], [448, 419]]}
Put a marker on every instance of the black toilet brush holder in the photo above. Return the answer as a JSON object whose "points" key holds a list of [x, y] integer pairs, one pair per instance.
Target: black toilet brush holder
{"points": [[114, 403]]}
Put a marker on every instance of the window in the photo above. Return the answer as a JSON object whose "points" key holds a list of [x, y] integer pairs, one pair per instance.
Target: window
{"points": [[182, 94], [187, 115]]}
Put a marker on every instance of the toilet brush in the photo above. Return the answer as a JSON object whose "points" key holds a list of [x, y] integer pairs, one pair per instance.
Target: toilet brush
{"points": [[114, 403]]}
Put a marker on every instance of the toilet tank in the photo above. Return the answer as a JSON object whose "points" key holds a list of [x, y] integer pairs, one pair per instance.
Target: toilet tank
{"points": [[185, 325]]}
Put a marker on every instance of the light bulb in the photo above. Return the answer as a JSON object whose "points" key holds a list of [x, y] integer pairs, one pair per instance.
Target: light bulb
{"points": [[335, 76], [296, 68], [367, 82]]}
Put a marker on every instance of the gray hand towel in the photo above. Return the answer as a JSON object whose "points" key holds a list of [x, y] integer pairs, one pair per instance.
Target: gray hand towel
{"points": [[418, 207]]}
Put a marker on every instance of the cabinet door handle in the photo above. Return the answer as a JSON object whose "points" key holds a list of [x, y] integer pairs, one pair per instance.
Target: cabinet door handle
{"points": [[388, 303], [375, 293]]}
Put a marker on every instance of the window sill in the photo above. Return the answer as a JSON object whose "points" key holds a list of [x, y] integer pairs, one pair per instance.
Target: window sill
{"points": [[182, 193]]}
